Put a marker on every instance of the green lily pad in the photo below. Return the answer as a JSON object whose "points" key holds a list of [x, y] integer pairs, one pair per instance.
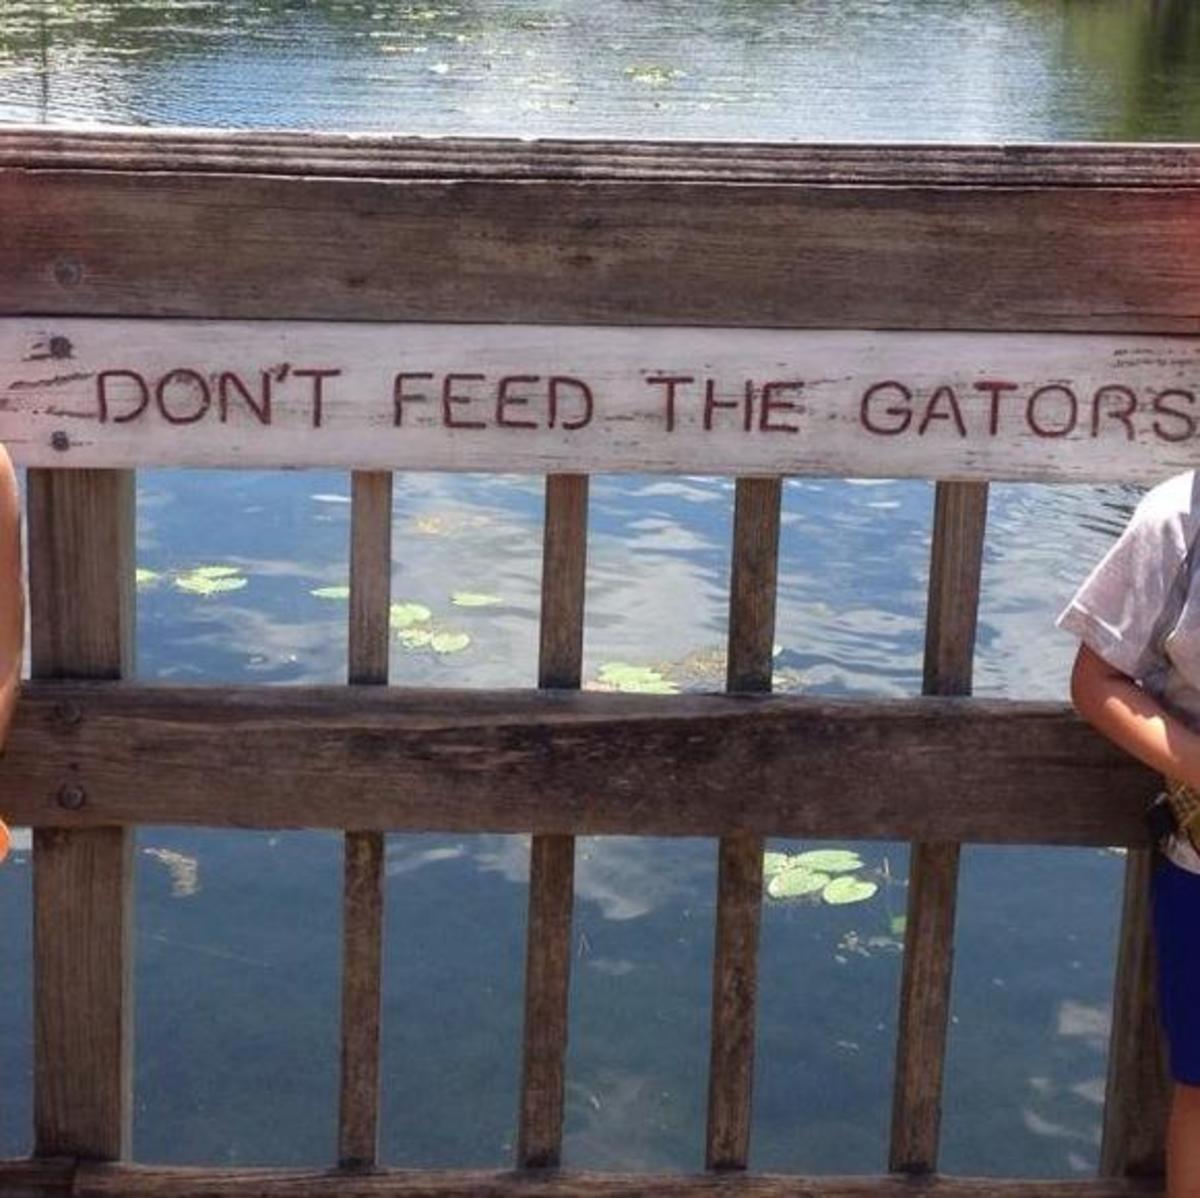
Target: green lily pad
{"points": [[898, 924], [415, 638], [331, 592], [652, 73], [145, 578], [621, 676], [449, 642], [200, 585], [794, 882], [475, 599], [829, 861], [405, 615], [213, 572], [848, 890], [774, 863]]}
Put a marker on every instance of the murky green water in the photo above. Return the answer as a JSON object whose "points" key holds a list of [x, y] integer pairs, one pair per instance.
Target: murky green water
{"points": [[237, 938]]}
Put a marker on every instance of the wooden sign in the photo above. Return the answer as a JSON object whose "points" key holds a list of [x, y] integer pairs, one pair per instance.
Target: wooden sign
{"points": [[537, 399]]}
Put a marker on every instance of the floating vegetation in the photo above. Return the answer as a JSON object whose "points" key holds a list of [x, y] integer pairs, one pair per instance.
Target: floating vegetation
{"points": [[794, 875], [415, 638], [848, 890], [341, 592], [642, 680], [184, 871], [447, 524], [899, 924], [475, 599], [405, 615], [828, 861], [793, 882], [774, 863], [210, 580], [449, 642], [652, 74], [146, 578], [854, 943]]}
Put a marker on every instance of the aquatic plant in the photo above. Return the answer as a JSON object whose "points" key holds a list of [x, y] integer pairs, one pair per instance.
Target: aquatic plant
{"points": [[848, 890], [405, 615], [796, 881], [475, 599], [144, 577], [621, 676], [210, 580], [340, 592]]}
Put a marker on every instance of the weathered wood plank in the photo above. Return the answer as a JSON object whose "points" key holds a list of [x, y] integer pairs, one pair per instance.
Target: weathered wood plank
{"points": [[145, 1181], [81, 602], [1023, 258], [552, 858], [362, 906], [565, 763], [540, 398], [752, 588], [956, 561], [1138, 1090], [398, 156]]}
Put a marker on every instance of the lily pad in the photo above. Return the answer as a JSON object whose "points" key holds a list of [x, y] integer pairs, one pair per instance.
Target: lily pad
{"points": [[449, 642], [475, 599], [898, 924], [848, 890], [405, 615], [829, 861], [415, 638], [774, 863], [794, 882], [146, 578], [213, 572], [621, 676], [199, 584], [652, 73], [331, 592]]}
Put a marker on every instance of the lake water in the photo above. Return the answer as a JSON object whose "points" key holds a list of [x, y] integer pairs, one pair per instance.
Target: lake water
{"points": [[238, 933]]}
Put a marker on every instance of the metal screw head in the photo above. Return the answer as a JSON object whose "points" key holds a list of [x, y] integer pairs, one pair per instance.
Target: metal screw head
{"points": [[71, 797], [60, 441], [67, 272]]}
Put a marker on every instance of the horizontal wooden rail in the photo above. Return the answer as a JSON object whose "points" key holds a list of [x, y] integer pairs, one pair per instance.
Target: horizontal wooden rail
{"points": [[20, 1179], [1083, 239], [86, 754], [382, 156]]}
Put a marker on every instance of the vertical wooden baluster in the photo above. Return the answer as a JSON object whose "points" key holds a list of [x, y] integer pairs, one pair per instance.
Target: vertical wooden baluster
{"points": [[552, 858], [81, 569], [739, 873], [959, 525], [362, 930], [1138, 1092]]}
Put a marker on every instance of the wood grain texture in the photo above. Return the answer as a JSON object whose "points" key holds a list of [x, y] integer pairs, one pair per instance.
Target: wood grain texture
{"points": [[544, 399], [567, 763], [362, 905], [1085, 165], [1138, 1091], [956, 560], [752, 587], [552, 858], [607, 251], [81, 529], [143, 1181]]}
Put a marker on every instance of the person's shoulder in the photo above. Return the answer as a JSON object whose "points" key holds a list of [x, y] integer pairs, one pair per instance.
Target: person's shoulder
{"points": [[1172, 503]]}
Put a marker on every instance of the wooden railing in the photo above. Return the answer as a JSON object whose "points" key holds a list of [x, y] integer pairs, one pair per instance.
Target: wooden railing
{"points": [[1034, 240]]}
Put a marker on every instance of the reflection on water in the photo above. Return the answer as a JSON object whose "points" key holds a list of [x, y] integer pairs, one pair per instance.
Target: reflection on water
{"points": [[819, 70], [238, 933]]}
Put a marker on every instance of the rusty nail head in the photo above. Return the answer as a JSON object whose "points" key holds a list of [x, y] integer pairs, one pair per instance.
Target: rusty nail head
{"points": [[70, 714], [71, 797], [60, 441]]}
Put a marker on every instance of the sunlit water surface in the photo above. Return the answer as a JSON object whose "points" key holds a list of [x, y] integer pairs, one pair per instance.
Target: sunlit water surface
{"points": [[238, 933]]}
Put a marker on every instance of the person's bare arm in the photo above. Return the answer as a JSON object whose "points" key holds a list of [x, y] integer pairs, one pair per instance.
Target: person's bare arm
{"points": [[1116, 706], [12, 594]]}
